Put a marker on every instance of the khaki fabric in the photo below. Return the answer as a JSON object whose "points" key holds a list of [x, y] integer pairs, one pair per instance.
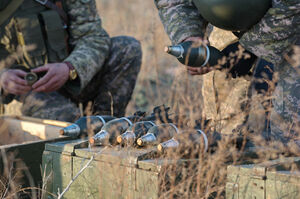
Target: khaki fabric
{"points": [[227, 101]]}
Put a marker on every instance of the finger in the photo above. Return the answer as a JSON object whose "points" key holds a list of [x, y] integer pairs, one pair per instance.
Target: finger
{"points": [[18, 92], [40, 69], [193, 39], [18, 80], [48, 87], [18, 89], [20, 73], [43, 80], [195, 73], [203, 70], [192, 68], [210, 69], [199, 72]]}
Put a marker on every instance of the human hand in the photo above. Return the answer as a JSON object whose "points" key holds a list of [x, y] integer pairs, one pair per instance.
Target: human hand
{"points": [[197, 70], [12, 81], [195, 39], [57, 74]]}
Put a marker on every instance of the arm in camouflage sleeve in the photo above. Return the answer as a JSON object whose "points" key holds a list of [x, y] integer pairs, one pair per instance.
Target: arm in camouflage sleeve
{"points": [[181, 19], [91, 42], [4, 98], [273, 36]]}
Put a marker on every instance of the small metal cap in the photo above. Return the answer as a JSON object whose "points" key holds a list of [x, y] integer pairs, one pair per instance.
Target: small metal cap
{"points": [[61, 132], [167, 49], [140, 142], [92, 140], [160, 148], [31, 78], [119, 139]]}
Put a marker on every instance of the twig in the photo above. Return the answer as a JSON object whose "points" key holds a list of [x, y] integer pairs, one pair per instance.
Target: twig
{"points": [[7, 187], [60, 195]]}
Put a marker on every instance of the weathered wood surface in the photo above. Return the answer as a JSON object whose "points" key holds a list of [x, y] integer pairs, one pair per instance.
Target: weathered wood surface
{"points": [[114, 173], [21, 145], [276, 179]]}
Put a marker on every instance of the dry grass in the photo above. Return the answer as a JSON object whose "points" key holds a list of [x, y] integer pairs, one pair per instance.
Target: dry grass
{"points": [[163, 80]]}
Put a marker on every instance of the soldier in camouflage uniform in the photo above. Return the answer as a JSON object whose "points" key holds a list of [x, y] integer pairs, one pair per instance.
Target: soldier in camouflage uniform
{"points": [[92, 67], [272, 39]]}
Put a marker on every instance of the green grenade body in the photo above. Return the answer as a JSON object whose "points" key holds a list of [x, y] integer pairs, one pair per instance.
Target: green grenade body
{"points": [[134, 132], [185, 139], [158, 134], [234, 15], [193, 55], [190, 143], [84, 124], [112, 129]]}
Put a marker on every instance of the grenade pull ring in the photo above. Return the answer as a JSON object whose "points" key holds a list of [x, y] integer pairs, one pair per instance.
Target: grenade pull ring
{"points": [[31, 78], [207, 55]]}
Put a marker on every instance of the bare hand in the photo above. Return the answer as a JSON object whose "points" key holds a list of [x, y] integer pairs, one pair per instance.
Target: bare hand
{"points": [[57, 74], [12, 81], [195, 39], [198, 70]]}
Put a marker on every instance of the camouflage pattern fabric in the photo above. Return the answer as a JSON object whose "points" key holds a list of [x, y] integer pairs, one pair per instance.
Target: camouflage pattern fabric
{"points": [[270, 39], [285, 117], [109, 91], [107, 67], [181, 19], [273, 39], [88, 41], [91, 42]]}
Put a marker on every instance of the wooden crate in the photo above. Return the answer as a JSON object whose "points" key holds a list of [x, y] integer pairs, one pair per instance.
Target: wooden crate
{"points": [[21, 145], [114, 172], [276, 179]]}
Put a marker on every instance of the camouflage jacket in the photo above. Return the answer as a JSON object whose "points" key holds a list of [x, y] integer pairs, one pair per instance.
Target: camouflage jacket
{"points": [[268, 39], [89, 43], [181, 19]]}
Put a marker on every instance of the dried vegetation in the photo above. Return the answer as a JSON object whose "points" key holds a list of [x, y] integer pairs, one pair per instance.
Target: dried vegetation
{"points": [[163, 80]]}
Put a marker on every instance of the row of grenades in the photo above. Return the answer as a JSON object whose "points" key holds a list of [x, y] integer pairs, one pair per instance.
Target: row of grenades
{"points": [[138, 130]]}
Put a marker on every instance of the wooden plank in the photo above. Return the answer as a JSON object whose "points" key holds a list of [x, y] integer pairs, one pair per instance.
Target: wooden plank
{"points": [[23, 142], [23, 129], [44, 121]]}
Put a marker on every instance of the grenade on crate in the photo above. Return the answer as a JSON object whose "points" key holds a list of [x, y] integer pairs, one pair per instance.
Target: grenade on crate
{"points": [[134, 132], [159, 115], [84, 124], [112, 129], [185, 138], [158, 134], [191, 54], [189, 142]]}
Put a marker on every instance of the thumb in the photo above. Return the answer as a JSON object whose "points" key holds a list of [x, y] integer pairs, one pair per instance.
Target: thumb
{"points": [[20, 73]]}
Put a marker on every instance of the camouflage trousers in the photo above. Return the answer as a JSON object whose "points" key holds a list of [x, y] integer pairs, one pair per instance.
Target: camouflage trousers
{"points": [[107, 93], [285, 118], [276, 38]]}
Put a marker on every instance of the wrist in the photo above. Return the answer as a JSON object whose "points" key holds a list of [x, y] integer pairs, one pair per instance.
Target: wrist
{"points": [[72, 72]]}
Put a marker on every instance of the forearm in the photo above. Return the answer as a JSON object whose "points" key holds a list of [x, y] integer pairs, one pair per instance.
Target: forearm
{"points": [[5, 98], [181, 19], [91, 42]]}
